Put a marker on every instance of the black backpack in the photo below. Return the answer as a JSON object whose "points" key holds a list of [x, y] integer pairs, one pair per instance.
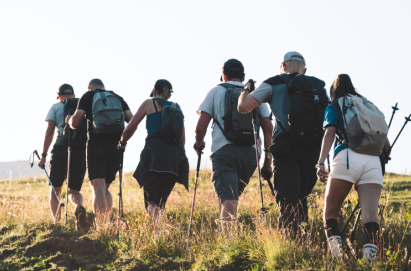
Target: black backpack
{"points": [[173, 122], [78, 137], [308, 103], [238, 127]]}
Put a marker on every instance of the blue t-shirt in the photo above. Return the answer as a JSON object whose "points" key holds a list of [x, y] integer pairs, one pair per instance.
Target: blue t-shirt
{"points": [[154, 122], [333, 117]]}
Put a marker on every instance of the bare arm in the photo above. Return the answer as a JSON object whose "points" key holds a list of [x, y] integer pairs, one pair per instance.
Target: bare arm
{"points": [[128, 115], [48, 139], [246, 103], [134, 122], [201, 129], [325, 150], [77, 118]]}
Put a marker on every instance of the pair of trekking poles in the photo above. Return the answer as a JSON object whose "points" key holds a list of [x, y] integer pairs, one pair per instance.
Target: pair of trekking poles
{"points": [[386, 159], [262, 210], [120, 213]]}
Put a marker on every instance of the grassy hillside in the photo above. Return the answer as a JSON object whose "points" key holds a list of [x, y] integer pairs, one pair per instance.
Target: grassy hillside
{"points": [[30, 241]]}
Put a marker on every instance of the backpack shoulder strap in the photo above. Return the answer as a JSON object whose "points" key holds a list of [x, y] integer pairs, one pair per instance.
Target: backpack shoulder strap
{"points": [[228, 85], [160, 101], [287, 79], [155, 107]]}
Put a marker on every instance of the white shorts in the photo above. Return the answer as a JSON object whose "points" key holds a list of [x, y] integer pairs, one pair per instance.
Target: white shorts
{"points": [[363, 169]]}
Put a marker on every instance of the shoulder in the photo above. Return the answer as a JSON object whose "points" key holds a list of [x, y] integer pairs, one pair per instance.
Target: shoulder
{"points": [[275, 80]]}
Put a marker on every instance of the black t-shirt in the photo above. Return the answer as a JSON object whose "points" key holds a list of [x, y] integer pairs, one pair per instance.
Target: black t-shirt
{"points": [[86, 104]]}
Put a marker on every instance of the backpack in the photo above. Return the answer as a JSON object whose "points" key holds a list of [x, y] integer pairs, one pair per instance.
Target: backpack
{"points": [[78, 137], [238, 127], [309, 100], [108, 115], [365, 130], [172, 122]]}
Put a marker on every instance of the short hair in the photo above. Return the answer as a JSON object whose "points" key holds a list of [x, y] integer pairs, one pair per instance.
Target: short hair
{"points": [[234, 74], [95, 84]]}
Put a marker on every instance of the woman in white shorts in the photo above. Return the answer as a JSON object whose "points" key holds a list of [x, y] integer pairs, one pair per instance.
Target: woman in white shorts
{"points": [[363, 171]]}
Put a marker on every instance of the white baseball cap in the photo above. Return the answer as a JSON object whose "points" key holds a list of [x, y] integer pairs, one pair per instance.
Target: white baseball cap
{"points": [[293, 55]]}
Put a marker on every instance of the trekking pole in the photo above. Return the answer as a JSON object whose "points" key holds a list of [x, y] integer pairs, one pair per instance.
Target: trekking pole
{"points": [[263, 210], [407, 119], [394, 108], [68, 172], [200, 151], [31, 162], [120, 214], [354, 228], [348, 220]]}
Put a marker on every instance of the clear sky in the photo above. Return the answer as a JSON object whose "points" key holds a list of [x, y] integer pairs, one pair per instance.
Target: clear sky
{"points": [[131, 44]]}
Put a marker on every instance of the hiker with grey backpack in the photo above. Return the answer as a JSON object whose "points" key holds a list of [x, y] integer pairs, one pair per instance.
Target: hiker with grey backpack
{"points": [[62, 165], [360, 133], [105, 112], [233, 153], [163, 161]]}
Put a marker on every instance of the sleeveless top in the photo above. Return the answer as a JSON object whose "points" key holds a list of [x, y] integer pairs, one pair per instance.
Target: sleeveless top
{"points": [[153, 121]]}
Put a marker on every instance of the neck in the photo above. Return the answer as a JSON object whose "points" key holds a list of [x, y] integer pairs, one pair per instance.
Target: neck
{"points": [[234, 80]]}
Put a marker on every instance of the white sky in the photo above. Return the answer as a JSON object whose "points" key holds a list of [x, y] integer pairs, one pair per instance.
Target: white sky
{"points": [[131, 44]]}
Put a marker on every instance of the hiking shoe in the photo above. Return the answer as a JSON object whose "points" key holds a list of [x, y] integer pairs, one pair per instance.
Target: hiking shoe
{"points": [[82, 224]]}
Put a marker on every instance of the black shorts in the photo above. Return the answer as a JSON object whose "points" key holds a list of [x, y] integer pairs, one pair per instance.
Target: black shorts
{"points": [[232, 167], [158, 189], [103, 159], [58, 167]]}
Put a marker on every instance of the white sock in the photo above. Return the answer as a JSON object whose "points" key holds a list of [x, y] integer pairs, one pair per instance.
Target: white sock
{"points": [[335, 246], [370, 252]]}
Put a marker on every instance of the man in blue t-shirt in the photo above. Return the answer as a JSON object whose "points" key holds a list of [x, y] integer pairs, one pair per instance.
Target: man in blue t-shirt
{"points": [[58, 161]]}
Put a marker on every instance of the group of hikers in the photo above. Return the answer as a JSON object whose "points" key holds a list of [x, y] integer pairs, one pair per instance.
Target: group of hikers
{"points": [[307, 122]]}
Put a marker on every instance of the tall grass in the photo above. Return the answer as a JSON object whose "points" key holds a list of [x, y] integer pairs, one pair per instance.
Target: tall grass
{"points": [[26, 224]]}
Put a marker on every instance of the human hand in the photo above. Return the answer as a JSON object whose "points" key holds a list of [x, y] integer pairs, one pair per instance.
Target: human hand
{"points": [[322, 174], [42, 162], [121, 147], [250, 86], [267, 170], [199, 147]]}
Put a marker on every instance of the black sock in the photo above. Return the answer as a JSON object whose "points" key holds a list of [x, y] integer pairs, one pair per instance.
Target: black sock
{"points": [[371, 230], [331, 228]]}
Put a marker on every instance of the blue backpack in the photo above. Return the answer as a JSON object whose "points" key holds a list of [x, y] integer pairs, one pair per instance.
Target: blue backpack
{"points": [[172, 122]]}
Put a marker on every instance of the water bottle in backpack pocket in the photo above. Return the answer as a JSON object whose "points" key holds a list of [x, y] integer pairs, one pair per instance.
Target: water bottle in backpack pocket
{"points": [[238, 127], [108, 115]]}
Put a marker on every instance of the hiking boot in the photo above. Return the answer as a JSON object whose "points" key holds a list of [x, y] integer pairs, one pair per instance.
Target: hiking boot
{"points": [[82, 224]]}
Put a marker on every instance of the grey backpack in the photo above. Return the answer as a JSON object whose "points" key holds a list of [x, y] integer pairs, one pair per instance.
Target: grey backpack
{"points": [[238, 127], [365, 129], [108, 115]]}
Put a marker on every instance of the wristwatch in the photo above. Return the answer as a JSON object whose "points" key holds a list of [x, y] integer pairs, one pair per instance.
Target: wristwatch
{"points": [[44, 154], [319, 164]]}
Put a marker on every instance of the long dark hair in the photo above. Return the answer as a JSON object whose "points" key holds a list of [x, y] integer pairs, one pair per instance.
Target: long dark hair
{"points": [[341, 87]]}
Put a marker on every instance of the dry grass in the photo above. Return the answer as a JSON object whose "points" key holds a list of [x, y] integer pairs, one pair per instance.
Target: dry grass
{"points": [[30, 241]]}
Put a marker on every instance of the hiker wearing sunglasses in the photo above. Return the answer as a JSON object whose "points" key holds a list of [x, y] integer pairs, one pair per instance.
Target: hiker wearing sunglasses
{"points": [[105, 112], [298, 104], [56, 118], [360, 132], [163, 161], [233, 154]]}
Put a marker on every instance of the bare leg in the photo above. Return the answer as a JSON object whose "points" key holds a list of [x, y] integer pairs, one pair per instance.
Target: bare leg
{"points": [[54, 204], [75, 197], [335, 194], [229, 210], [154, 211], [109, 201], [99, 198]]}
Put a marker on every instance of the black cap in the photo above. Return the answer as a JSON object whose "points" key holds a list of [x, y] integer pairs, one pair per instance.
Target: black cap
{"points": [[158, 86], [63, 88], [232, 65]]}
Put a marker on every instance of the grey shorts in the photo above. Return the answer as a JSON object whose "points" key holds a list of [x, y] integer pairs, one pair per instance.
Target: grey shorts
{"points": [[232, 167]]}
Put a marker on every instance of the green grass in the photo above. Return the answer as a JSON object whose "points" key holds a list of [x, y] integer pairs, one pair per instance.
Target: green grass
{"points": [[30, 241]]}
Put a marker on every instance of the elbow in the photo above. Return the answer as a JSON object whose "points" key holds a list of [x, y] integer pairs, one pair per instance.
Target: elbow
{"points": [[242, 109]]}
